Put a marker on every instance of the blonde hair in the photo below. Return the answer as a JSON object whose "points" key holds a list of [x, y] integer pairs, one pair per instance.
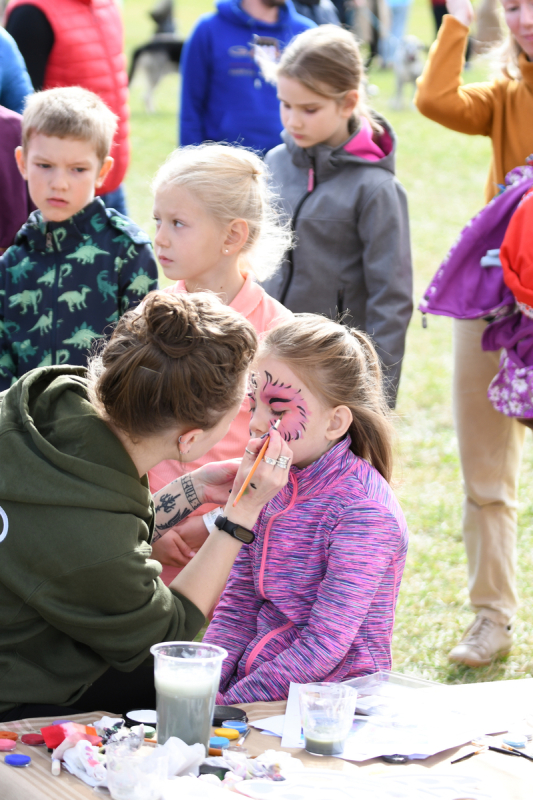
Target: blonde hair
{"points": [[70, 112], [341, 367], [327, 61], [233, 183], [504, 57]]}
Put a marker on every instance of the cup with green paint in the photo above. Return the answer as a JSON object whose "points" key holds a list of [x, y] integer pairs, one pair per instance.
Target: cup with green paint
{"points": [[327, 711]]}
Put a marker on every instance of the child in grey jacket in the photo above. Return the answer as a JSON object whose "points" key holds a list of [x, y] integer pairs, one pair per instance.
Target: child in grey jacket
{"points": [[335, 175]]}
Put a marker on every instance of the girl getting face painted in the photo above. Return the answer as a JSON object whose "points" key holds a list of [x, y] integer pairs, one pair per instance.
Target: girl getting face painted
{"points": [[277, 393]]}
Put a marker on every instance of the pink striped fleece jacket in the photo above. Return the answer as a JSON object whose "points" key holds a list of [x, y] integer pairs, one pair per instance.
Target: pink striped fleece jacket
{"points": [[313, 598]]}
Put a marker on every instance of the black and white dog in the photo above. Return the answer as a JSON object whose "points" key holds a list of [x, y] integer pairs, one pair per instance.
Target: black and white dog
{"points": [[161, 55], [407, 66]]}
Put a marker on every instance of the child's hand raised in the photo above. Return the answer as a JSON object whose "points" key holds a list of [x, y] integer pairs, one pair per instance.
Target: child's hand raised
{"points": [[461, 10], [172, 550]]}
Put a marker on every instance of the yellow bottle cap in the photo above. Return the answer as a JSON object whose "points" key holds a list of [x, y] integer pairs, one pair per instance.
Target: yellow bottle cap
{"points": [[229, 733]]}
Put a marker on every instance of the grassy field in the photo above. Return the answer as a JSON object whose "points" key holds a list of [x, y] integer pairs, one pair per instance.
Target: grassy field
{"points": [[444, 174]]}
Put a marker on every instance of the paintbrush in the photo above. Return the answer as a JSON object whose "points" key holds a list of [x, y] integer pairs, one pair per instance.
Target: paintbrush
{"points": [[469, 755], [256, 464], [516, 752]]}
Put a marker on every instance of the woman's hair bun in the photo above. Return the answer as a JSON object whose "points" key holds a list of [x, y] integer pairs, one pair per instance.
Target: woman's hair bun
{"points": [[178, 361]]}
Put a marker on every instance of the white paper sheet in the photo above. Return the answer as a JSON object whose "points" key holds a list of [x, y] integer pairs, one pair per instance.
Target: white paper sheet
{"points": [[433, 720], [272, 725]]}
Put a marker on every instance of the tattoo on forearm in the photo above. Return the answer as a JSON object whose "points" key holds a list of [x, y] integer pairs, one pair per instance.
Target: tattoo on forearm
{"points": [[165, 526], [190, 492], [167, 503]]}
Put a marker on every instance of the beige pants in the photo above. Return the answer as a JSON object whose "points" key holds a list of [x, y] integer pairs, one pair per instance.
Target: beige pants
{"points": [[490, 447]]}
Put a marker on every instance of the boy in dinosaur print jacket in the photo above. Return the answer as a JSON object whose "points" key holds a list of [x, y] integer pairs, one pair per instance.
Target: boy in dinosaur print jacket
{"points": [[75, 266]]}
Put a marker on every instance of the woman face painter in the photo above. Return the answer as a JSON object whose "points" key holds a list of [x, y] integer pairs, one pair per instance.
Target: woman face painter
{"points": [[81, 602]]}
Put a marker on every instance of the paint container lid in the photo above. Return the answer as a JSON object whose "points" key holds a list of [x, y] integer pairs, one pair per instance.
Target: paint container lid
{"points": [[146, 716], [9, 735], [228, 733], [33, 739], [235, 725], [515, 739], [16, 760], [218, 742], [7, 744], [222, 713]]}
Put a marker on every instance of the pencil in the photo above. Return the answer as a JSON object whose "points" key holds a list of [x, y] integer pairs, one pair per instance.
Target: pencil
{"points": [[256, 464]]}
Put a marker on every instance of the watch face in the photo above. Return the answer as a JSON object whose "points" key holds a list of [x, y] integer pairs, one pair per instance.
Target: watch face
{"points": [[243, 535]]}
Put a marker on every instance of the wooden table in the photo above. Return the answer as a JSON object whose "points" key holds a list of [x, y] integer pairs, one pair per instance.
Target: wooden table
{"points": [[509, 778]]}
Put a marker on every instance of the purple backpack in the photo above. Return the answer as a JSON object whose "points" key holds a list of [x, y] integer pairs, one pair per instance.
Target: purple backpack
{"points": [[469, 282]]}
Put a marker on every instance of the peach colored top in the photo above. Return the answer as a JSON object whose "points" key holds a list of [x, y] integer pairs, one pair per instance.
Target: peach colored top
{"points": [[264, 313]]}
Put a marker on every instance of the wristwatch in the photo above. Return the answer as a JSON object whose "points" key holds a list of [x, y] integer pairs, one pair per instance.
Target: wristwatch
{"points": [[237, 531]]}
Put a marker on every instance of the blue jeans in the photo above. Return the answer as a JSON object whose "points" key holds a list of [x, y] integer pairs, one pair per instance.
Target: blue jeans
{"points": [[116, 200], [399, 16]]}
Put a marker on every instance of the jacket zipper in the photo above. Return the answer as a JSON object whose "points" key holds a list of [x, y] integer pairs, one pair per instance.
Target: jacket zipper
{"points": [[53, 351], [311, 186], [267, 637], [270, 635], [262, 642], [267, 533]]}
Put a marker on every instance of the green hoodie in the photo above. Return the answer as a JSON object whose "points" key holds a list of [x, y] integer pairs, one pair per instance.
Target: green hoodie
{"points": [[78, 591]]}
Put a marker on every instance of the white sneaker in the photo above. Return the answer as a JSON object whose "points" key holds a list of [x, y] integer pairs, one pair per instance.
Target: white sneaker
{"points": [[483, 641]]}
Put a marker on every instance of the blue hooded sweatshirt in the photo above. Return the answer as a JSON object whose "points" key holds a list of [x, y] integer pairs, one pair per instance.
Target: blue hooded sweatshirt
{"points": [[15, 82], [224, 95]]}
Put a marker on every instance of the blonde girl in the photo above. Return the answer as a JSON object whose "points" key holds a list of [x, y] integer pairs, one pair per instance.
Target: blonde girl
{"points": [[216, 230], [490, 443], [326, 615], [335, 174]]}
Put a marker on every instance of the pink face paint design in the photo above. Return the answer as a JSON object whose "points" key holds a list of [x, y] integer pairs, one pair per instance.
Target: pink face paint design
{"points": [[287, 404]]}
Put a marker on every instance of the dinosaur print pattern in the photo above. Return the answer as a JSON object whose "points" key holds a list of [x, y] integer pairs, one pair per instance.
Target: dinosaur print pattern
{"points": [[25, 299], [49, 277], [62, 356], [20, 271], [75, 299], [44, 323], [62, 286], [104, 287], [141, 283], [24, 349], [87, 252], [82, 337]]}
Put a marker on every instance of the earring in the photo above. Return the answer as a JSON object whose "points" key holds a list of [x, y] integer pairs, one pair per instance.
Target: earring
{"points": [[226, 252], [179, 439]]}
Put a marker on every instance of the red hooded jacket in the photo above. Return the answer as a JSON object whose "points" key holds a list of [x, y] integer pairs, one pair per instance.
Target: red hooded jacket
{"points": [[516, 253]]}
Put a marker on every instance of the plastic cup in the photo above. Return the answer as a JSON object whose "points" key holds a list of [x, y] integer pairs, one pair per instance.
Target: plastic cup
{"points": [[187, 676], [327, 711], [133, 775]]}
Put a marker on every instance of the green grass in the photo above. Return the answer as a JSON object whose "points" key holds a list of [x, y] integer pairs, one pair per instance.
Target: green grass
{"points": [[444, 174]]}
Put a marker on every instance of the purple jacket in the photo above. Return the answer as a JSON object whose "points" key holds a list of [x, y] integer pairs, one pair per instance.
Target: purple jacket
{"points": [[16, 205], [313, 598], [461, 287]]}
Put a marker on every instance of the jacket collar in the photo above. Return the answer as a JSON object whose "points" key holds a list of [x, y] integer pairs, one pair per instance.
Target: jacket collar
{"points": [[232, 10], [526, 69], [325, 160], [319, 475], [246, 301], [46, 237]]}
